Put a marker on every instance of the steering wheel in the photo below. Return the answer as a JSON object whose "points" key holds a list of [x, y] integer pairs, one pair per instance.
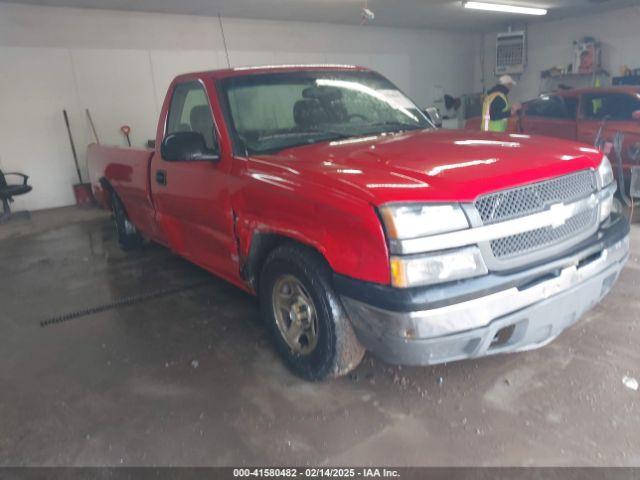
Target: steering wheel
{"points": [[357, 115]]}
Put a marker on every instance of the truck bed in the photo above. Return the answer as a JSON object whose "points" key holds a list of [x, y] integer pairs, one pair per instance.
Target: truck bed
{"points": [[125, 172]]}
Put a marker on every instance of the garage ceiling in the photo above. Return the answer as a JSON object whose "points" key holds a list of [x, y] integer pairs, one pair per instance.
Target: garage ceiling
{"points": [[390, 13]]}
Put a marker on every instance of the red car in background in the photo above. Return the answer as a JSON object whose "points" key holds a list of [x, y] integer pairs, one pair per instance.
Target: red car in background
{"points": [[582, 114]]}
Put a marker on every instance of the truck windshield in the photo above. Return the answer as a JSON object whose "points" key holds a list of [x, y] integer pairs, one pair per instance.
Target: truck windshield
{"points": [[271, 112]]}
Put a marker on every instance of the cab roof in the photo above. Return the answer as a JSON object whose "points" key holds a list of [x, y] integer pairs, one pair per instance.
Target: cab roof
{"points": [[241, 71]]}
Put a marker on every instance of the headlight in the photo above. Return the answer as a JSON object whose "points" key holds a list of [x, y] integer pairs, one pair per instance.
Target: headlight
{"points": [[605, 172], [404, 221], [416, 270], [605, 208], [605, 178]]}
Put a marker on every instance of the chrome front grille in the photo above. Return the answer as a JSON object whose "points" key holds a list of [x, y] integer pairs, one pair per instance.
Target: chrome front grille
{"points": [[535, 198]]}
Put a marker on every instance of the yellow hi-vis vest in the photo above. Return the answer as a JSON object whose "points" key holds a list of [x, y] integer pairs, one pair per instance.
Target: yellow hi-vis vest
{"points": [[489, 125]]}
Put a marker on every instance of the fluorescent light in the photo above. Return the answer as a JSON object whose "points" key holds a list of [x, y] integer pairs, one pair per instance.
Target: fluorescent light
{"points": [[497, 7]]}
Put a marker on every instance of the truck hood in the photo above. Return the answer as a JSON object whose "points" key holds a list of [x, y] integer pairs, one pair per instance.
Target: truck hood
{"points": [[453, 165]]}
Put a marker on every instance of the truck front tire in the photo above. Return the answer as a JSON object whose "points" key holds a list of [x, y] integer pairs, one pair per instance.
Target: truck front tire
{"points": [[128, 236], [306, 319]]}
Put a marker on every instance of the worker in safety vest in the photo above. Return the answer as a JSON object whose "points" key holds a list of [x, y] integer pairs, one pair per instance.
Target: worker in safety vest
{"points": [[495, 109]]}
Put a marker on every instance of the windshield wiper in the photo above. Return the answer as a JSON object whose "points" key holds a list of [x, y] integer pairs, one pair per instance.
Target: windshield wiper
{"points": [[315, 136], [302, 133], [395, 123], [334, 133]]}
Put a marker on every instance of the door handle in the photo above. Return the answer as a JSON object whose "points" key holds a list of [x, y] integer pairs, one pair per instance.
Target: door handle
{"points": [[161, 177]]}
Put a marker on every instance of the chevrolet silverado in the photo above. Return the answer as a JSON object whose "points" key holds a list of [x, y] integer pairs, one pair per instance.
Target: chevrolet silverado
{"points": [[326, 192]]}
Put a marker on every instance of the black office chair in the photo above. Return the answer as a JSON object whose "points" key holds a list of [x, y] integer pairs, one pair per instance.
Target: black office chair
{"points": [[8, 191]]}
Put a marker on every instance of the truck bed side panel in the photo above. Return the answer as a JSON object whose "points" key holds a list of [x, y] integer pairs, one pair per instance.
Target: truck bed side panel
{"points": [[127, 172]]}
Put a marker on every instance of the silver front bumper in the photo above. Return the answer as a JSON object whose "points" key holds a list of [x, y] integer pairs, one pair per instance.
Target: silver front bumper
{"points": [[510, 320]]}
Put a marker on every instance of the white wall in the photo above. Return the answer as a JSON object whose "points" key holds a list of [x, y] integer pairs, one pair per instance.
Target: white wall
{"points": [[551, 44], [119, 65]]}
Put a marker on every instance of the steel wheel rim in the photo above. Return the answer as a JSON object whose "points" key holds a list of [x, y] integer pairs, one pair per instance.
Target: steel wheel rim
{"points": [[295, 314]]}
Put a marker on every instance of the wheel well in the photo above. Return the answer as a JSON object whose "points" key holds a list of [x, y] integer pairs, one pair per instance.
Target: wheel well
{"points": [[106, 186], [262, 244]]}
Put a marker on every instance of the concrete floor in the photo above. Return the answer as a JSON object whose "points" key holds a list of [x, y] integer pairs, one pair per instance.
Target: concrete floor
{"points": [[191, 379]]}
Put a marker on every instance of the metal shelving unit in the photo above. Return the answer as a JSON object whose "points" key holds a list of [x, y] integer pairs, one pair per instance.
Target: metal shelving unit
{"points": [[549, 83]]}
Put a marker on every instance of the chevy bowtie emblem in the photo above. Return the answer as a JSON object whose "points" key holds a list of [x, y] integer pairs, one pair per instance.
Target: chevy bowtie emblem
{"points": [[560, 213]]}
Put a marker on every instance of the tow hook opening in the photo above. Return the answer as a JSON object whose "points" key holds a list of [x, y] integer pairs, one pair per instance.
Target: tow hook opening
{"points": [[502, 336]]}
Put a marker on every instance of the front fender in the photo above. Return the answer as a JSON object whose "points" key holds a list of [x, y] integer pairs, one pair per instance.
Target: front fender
{"points": [[346, 231]]}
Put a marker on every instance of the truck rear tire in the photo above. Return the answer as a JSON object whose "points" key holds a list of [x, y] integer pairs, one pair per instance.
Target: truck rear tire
{"points": [[310, 329], [128, 236]]}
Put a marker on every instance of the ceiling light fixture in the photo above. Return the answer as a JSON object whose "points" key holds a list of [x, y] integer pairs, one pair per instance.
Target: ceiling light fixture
{"points": [[498, 7]]}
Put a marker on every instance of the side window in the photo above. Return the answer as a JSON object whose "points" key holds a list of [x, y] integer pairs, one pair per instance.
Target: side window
{"points": [[190, 112], [610, 106], [548, 107], [571, 104]]}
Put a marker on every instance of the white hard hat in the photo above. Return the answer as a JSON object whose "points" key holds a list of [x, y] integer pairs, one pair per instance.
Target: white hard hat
{"points": [[506, 80]]}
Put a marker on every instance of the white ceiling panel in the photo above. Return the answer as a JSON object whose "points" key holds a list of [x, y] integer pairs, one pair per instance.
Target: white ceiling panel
{"points": [[389, 13]]}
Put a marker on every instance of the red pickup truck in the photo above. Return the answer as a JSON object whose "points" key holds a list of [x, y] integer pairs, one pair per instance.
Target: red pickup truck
{"points": [[326, 192], [585, 115]]}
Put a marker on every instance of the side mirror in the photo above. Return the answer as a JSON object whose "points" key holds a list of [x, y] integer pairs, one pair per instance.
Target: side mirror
{"points": [[636, 115], [187, 147], [433, 114]]}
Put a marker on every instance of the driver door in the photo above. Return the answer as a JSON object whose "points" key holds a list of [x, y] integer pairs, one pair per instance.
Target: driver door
{"points": [[192, 199]]}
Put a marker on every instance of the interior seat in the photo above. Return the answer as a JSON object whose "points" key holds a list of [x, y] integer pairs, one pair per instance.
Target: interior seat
{"points": [[309, 113], [202, 122]]}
